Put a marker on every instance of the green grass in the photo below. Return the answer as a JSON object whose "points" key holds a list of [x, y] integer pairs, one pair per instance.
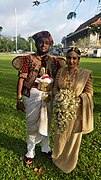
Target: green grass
{"points": [[13, 133]]}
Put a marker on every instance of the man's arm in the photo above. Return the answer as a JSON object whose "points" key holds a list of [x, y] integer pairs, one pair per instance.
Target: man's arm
{"points": [[19, 87], [20, 105]]}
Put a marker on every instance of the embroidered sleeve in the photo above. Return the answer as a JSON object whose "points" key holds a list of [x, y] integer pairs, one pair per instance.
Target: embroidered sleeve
{"points": [[21, 63], [24, 69]]}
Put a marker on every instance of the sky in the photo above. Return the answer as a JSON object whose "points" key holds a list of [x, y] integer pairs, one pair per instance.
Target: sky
{"points": [[20, 17]]}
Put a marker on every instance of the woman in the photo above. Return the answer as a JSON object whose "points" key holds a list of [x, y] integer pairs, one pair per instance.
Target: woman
{"points": [[73, 109]]}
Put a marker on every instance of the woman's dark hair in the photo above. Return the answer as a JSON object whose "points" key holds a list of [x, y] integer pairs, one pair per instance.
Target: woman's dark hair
{"points": [[75, 49]]}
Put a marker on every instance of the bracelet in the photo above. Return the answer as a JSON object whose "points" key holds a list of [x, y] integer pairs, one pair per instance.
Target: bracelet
{"points": [[19, 98]]}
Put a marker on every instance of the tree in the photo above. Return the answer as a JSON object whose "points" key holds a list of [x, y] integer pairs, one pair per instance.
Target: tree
{"points": [[6, 44], [32, 44], [1, 28], [36, 3], [96, 30], [69, 16], [22, 43], [83, 43]]}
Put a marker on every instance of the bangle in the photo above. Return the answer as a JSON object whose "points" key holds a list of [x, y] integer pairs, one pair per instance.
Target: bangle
{"points": [[19, 97], [19, 100]]}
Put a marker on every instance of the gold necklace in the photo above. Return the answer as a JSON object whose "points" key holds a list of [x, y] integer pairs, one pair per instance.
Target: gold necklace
{"points": [[71, 78]]}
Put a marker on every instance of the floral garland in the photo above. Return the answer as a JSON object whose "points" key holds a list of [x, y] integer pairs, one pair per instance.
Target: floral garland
{"points": [[65, 106]]}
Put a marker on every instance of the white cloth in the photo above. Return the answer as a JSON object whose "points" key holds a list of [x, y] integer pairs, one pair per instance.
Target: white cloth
{"points": [[43, 123], [44, 78], [37, 122], [36, 113], [33, 140]]}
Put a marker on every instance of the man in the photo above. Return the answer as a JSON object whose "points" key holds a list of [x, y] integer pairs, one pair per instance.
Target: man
{"points": [[37, 101]]}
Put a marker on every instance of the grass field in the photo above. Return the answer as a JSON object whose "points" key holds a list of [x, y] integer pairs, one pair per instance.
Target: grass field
{"points": [[13, 133]]}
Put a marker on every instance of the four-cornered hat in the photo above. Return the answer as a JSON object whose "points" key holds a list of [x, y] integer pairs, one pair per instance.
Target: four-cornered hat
{"points": [[43, 34]]}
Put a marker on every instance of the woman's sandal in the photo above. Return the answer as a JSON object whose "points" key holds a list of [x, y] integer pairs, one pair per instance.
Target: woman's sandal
{"points": [[28, 162]]}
